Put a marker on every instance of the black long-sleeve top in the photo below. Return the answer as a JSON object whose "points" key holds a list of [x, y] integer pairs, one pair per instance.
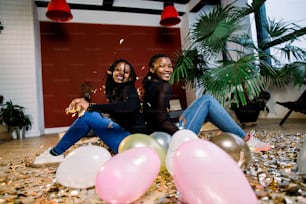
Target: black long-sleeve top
{"points": [[156, 106], [125, 111]]}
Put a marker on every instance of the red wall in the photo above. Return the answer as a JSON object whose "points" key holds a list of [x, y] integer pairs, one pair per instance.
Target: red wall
{"points": [[74, 53]]}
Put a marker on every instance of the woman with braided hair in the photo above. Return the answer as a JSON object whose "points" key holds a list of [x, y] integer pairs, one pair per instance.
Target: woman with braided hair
{"points": [[124, 118]]}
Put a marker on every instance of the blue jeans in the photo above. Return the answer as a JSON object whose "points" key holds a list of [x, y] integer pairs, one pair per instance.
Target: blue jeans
{"points": [[207, 108], [107, 130]]}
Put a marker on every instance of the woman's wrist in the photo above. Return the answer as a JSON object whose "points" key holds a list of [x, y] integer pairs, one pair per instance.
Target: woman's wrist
{"points": [[90, 107]]}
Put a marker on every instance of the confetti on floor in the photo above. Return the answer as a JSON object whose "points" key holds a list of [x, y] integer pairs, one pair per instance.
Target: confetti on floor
{"points": [[273, 176]]}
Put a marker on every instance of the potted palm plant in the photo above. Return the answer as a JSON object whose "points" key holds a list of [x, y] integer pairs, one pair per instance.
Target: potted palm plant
{"points": [[223, 60], [14, 117], [4, 134]]}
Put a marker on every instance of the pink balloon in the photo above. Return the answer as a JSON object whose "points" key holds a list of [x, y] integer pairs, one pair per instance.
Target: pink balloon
{"points": [[204, 173], [126, 176]]}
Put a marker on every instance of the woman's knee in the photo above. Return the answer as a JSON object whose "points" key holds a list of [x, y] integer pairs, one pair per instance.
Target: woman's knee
{"points": [[207, 98]]}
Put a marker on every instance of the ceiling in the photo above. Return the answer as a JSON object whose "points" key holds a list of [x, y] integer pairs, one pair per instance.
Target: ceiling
{"points": [[134, 6]]}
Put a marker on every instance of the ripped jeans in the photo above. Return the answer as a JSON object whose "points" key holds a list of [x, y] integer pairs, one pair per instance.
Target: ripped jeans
{"points": [[207, 108], [107, 130]]}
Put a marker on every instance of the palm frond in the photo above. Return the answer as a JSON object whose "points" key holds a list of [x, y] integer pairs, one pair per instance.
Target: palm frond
{"points": [[296, 72], [297, 53], [232, 76], [244, 40], [214, 28], [249, 8], [188, 66], [276, 28]]}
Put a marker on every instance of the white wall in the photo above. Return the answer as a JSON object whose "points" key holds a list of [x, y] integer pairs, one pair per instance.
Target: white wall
{"points": [[18, 76]]}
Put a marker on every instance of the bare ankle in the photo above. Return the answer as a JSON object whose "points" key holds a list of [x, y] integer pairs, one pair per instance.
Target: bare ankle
{"points": [[247, 137]]}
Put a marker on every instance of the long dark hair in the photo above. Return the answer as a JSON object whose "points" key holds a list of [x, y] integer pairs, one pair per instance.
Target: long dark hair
{"points": [[113, 90]]}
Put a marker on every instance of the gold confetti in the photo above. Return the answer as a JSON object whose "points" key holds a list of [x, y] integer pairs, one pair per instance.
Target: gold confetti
{"points": [[272, 175]]}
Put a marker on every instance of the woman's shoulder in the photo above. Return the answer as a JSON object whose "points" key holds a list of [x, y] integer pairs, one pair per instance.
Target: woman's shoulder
{"points": [[156, 85], [164, 84], [129, 87], [160, 82]]}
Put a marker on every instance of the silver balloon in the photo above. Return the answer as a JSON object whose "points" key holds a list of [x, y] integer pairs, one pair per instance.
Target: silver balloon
{"points": [[235, 146], [162, 138]]}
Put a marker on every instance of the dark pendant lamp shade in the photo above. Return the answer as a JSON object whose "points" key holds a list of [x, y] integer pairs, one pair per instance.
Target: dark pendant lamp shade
{"points": [[169, 16], [59, 10]]}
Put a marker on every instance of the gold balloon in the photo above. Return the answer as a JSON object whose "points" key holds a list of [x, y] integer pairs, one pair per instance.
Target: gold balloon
{"points": [[143, 140], [235, 146]]}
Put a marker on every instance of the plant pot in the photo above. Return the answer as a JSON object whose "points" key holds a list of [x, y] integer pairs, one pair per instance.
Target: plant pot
{"points": [[4, 134], [19, 133], [248, 113]]}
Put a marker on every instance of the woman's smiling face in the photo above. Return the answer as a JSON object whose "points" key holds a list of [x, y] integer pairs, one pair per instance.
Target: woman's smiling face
{"points": [[163, 68], [121, 73]]}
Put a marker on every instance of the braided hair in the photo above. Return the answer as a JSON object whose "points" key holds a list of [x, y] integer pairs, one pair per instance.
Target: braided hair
{"points": [[150, 75]]}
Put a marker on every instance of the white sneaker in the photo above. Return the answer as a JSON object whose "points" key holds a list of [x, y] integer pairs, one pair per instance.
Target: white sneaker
{"points": [[255, 144], [47, 159]]}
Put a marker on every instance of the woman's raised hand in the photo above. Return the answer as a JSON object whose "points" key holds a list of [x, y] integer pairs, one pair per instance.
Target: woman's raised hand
{"points": [[77, 106], [79, 102]]}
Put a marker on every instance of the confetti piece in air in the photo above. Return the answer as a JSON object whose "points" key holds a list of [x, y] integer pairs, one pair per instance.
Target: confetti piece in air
{"points": [[121, 41]]}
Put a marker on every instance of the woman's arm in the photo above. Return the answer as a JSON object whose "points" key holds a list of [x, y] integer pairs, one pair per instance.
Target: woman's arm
{"points": [[130, 103], [163, 100]]}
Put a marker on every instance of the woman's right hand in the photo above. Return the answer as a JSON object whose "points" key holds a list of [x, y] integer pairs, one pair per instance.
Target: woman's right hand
{"points": [[77, 106], [79, 103]]}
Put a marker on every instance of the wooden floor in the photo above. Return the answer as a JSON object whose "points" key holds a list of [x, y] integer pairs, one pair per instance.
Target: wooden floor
{"points": [[34, 145], [32, 182], [291, 125]]}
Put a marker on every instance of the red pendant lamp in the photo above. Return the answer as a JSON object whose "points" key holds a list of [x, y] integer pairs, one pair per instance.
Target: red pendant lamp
{"points": [[169, 16], [59, 10]]}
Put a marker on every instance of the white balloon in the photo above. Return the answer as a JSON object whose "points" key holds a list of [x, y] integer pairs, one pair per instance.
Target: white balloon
{"points": [[178, 138], [80, 167], [169, 161], [181, 136], [162, 138]]}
